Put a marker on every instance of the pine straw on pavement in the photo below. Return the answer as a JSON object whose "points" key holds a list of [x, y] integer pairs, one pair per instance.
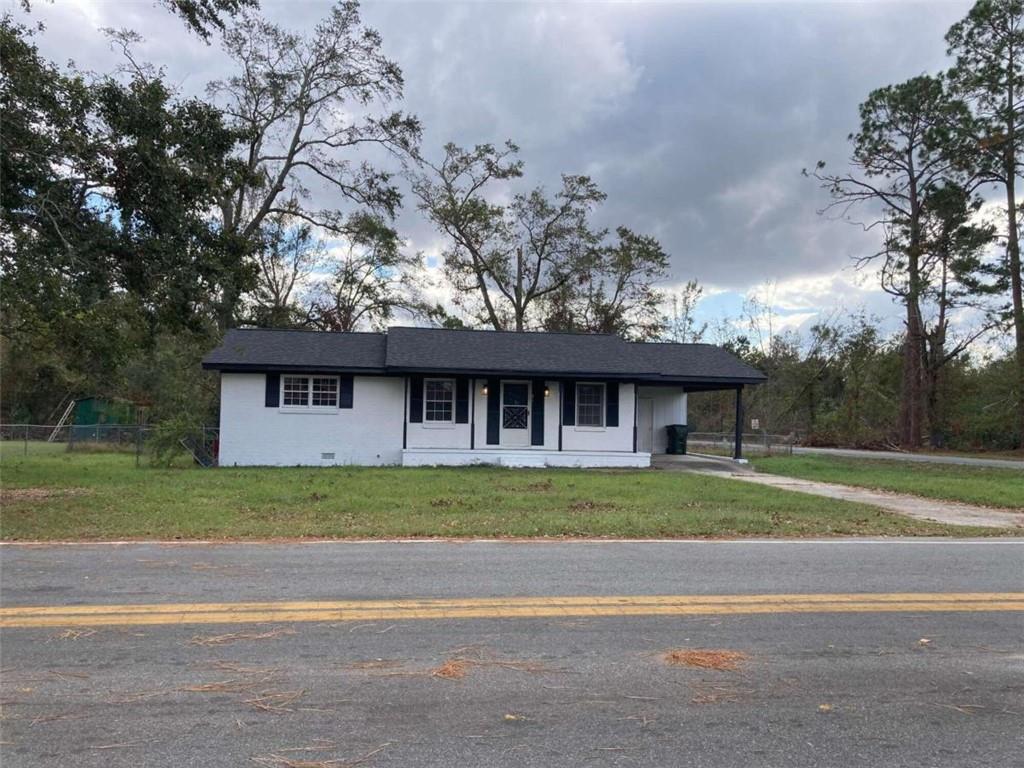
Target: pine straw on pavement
{"points": [[702, 658], [234, 637], [278, 760]]}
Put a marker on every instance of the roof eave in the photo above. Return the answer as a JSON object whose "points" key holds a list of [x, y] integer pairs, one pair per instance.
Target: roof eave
{"points": [[282, 368], [641, 377]]}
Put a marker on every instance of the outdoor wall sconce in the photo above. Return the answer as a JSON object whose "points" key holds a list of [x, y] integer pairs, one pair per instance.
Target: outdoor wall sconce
{"points": [[547, 391], [483, 390]]}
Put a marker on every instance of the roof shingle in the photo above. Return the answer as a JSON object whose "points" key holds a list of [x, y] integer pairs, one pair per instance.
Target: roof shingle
{"points": [[478, 352]]}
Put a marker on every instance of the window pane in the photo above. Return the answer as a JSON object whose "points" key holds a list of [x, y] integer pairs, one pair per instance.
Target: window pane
{"points": [[438, 399], [590, 405], [325, 391], [296, 390]]}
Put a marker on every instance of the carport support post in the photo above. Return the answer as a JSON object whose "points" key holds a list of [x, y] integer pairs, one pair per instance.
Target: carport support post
{"points": [[737, 452]]}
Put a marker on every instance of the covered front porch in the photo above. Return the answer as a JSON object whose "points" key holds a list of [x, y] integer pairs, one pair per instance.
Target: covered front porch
{"points": [[523, 457], [526, 421]]}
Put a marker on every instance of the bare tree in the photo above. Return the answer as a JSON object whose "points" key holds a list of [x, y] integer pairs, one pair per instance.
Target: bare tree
{"points": [[508, 257], [308, 109], [681, 326], [288, 255], [370, 283], [616, 294]]}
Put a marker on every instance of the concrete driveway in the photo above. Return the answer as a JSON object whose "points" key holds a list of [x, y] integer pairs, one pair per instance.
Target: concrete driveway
{"points": [[949, 512]]}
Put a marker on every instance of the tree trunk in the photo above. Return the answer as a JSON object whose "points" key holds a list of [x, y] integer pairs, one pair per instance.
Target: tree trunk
{"points": [[1013, 257], [911, 401], [933, 375], [230, 296], [910, 395]]}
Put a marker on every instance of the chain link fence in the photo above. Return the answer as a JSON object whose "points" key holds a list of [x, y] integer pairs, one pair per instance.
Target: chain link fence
{"points": [[754, 443], [108, 438]]}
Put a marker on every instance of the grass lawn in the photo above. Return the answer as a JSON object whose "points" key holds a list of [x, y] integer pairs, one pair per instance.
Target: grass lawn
{"points": [[50, 494], [974, 485]]}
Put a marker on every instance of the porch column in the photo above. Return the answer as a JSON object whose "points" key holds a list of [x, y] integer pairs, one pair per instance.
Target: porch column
{"points": [[737, 452]]}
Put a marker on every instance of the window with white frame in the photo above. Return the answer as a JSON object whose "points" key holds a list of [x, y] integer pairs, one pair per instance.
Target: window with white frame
{"points": [[439, 400], [590, 405], [309, 391]]}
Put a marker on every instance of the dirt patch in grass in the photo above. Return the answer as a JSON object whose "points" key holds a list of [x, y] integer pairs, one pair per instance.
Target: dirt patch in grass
{"points": [[444, 503], [591, 506], [705, 658], [540, 486], [40, 494]]}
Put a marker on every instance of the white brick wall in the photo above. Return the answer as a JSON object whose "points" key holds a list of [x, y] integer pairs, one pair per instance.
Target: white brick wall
{"points": [[368, 433], [618, 438]]}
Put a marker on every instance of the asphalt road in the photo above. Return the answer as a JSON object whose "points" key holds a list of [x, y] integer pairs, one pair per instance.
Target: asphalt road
{"points": [[912, 686]]}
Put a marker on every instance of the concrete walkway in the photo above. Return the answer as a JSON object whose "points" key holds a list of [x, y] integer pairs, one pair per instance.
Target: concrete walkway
{"points": [[948, 512]]}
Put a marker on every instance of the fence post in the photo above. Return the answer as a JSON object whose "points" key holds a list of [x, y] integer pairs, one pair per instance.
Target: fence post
{"points": [[26, 439], [138, 445]]}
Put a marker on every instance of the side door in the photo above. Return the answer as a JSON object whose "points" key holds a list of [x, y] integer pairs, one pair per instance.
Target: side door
{"points": [[645, 425]]}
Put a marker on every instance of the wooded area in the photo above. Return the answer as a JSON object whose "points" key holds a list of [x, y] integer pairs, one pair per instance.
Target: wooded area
{"points": [[138, 224]]}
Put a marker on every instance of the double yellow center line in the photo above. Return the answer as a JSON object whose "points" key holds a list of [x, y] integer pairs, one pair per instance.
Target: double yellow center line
{"points": [[503, 608]]}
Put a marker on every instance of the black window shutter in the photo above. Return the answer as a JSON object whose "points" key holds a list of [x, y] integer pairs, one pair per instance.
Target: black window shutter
{"points": [[569, 403], [273, 395], [611, 404], [493, 411], [462, 400], [345, 387], [415, 399], [537, 414]]}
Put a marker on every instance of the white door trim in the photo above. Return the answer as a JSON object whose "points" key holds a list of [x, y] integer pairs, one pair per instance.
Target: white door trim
{"points": [[515, 438]]}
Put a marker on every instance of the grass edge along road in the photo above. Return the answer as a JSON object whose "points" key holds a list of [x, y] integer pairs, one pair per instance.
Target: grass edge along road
{"points": [[983, 486], [502, 608], [53, 495]]}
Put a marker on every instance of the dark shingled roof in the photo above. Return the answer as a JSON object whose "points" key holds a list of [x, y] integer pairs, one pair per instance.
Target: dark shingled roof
{"points": [[486, 351], [264, 349], [695, 361], [439, 350]]}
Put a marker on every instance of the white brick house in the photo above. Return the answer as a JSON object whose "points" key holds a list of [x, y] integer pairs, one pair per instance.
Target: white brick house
{"points": [[427, 396]]}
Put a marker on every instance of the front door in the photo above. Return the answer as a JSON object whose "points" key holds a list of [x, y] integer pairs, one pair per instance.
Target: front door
{"points": [[645, 425], [515, 414]]}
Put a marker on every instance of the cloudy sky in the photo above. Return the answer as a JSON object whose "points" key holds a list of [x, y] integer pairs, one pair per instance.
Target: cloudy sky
{"points": [[695, 118]]}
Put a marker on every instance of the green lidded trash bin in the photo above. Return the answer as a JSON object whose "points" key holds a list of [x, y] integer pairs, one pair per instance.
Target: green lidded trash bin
{"points": [[676, 438]]}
